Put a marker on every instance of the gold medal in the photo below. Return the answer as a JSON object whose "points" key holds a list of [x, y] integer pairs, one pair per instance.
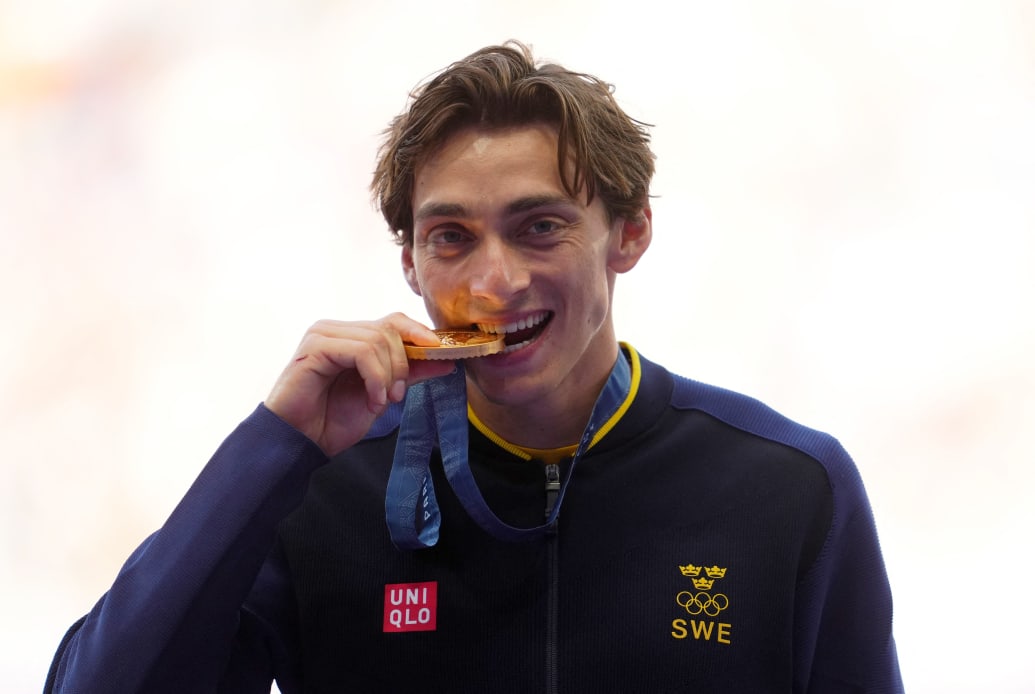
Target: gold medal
{"points": [[458, 344]]}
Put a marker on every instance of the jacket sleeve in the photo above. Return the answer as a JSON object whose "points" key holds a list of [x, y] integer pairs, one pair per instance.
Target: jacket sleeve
{"points": [[196, 606], [844, 606]]}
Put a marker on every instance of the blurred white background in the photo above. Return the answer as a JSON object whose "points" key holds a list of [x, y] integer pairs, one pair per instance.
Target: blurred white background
{"points": [[844, 228]]}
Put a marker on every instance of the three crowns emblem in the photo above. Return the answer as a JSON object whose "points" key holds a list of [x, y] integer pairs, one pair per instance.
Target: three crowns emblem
{"points": [[700, 582]]}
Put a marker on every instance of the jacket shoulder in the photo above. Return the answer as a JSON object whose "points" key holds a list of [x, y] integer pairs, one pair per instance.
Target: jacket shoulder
{"points": [[755, 417]]}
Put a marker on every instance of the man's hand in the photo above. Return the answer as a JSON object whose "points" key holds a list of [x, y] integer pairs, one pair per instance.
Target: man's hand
{"points": [[343, 376]]}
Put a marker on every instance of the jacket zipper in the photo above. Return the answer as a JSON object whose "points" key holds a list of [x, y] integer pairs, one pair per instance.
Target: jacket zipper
{"points": [[553, 486]]}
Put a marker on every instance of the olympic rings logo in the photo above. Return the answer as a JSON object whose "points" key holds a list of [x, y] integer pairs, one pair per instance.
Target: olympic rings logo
{"points": [[696, 603]]}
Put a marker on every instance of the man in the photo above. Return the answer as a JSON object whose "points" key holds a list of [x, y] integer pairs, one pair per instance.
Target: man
{"points": [[704, 543]]}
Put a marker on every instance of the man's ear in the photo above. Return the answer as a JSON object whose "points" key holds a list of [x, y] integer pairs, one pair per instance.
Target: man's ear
{"points": [[409, 271], [632, 238]]}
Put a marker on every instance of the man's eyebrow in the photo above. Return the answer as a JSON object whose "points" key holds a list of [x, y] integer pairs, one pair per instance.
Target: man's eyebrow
{"points": [[515, 207], [534, 202], [439, 209]]}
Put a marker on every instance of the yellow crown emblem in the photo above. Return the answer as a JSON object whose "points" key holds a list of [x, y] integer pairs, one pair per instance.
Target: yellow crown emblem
{"points": [[690, 570], [703, 583], [715, 572]]}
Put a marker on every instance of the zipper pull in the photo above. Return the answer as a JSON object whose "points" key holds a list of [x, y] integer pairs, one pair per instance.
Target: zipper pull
{"points": [[553, 488]]}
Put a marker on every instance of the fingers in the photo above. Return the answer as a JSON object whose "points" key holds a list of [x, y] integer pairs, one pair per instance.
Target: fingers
{"points": [[401, 328], [416, 370], [374, 349], [410, 330], [423, 369], [344, 375]]}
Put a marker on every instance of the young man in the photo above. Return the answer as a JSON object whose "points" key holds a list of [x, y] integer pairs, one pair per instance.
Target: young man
{"points": [[587, 521]]}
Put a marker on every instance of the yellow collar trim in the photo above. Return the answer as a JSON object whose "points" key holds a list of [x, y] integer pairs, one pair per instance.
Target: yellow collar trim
{"points": [[556, 455]]}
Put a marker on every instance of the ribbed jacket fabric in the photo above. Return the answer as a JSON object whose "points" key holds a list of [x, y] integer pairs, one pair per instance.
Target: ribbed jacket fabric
{"points": [[706, 544]]}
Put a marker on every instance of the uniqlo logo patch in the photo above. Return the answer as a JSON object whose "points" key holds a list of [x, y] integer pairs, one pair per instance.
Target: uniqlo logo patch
{"points": [[410, 607]]}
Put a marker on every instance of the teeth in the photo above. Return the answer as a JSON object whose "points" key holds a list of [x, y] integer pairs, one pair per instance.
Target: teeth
{"points": [[526, 322], [511, 348]]}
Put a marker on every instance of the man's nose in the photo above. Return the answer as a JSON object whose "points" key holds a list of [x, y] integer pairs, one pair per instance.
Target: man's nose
{"points": [[498, 271]]}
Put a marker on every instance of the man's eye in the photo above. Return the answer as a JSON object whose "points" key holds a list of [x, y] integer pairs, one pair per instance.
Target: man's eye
{"points": [[543, 226], [446, 236]]}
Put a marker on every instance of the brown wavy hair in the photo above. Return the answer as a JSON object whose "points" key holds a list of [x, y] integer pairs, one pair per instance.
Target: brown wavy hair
{"points": [[601, 150]]}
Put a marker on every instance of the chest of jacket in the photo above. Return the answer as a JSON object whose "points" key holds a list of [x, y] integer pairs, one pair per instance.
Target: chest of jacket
{"points": [[674, 567]]}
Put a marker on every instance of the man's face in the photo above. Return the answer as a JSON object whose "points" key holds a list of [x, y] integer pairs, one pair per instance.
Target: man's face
{"points": [[499, 244]]}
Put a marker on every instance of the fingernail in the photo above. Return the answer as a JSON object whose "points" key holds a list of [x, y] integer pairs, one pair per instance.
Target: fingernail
{"points": [[398, 391]]}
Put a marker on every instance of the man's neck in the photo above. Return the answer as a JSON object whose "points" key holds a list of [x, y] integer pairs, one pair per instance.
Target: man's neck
{"points": [[546, 427], [546, 423]]}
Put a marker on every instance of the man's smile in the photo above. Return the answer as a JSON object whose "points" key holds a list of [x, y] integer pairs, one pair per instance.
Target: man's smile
{"points": [[520, 332]]}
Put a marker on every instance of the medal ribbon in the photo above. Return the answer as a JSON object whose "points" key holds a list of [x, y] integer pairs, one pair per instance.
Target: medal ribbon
{"points": [[437, 409]]}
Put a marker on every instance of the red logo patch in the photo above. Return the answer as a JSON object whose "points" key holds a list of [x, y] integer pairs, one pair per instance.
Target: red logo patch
{"points": [[410, 607]]}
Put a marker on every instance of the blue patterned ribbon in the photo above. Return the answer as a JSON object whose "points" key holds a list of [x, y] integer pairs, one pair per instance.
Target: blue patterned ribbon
{"points": [[437, 409]]}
